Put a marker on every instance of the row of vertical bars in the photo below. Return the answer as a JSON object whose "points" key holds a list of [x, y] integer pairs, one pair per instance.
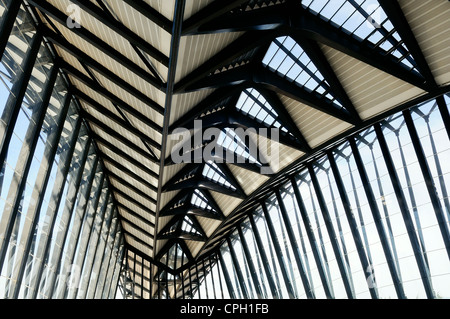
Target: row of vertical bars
{"points": [[414, 237], [10, 116]]}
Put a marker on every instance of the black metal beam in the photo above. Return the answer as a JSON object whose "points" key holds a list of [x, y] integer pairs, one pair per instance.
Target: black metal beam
{"points": [[91, 38], [132, 200], [443, 109], [313, 27], [309, 291], [237, 48], [115, 118], [352, 223], [317, 56], [396, 16], [108, 129], [122, 30], [170, 90], [22, 169], [107, 94], [151, 14], [283, 115], [238, 269], [131, 186], [377, 219], [211, 12], [136, 228], [103, 70], [428, 178], [118, 151], [8, 22], [276, 83], [216, 98], [409, 224], [13, 104], [127, 171], [278, 251], [251, 266], [124, 154], [128, 210]]}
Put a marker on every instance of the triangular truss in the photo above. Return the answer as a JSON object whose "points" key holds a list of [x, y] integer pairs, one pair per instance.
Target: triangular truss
{"points": [[208, 176], [184, 227]]}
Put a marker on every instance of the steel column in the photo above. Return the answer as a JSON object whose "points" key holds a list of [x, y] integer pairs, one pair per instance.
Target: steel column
{"points": [[378, 220], [351, 221], [263, 254], [23, 165], [226, 276], [296, 250], [278, 252], [251, 266], [38, 191], [312, 239], [423, 268]]}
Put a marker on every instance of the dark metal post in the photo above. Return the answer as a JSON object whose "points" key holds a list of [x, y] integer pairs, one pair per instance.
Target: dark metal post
{"points": [[312, 239], [428, 179], [19, 180], [227, 277], [71, 204], [423, 268], [443, 109], [263, 254], [278, 252], [378, 220], [306, 285], [251, 266], [331, 232], [220, 277], [212, 276], [352, 222], [204, 276], [38, 193], [8, 23]]}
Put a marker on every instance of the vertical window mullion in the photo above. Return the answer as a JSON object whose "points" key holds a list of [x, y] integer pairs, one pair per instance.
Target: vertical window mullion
{"points": [[100, 256], [39, 191], [278, 252], [71, 209], [8, 23], [23, 165], [83, 252], [424, 270], [263, 255], [212, 276], [55, 200], [296, 250], [251, 266], [443, 109], [67, 214], [312, 239], [331, 232], [106, 262], [437, 207], [352, 222], [78, 225], [378, 220], [238, 269], [226, 276]]}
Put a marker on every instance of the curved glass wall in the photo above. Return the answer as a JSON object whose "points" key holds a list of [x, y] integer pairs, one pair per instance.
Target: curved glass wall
{"points": [[58, 224], [369, 219]]}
